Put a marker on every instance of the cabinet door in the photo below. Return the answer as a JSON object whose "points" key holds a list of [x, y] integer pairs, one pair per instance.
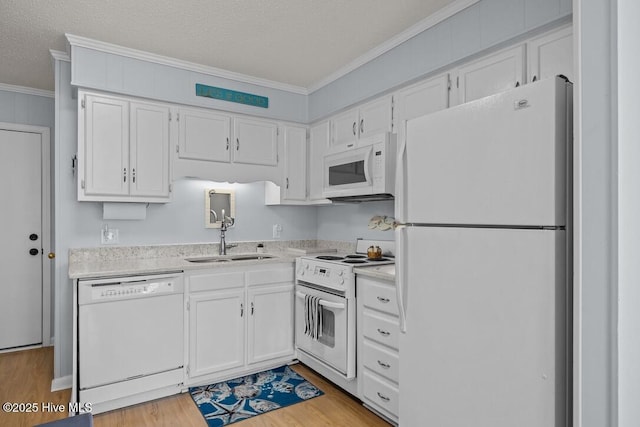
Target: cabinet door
{"points": [[106, 147], [344, 130], [216, 331], [256, 142], [318, 145], [204, 135], [489, 75], [550, 55], [270, 333], [149, 150], [375, 117], [420, 99], [295, 154]]}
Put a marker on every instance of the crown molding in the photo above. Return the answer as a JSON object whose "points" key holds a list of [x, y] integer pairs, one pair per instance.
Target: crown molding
{"points": [[430, 21], [59, 55], [27, 90], [77, 41]]}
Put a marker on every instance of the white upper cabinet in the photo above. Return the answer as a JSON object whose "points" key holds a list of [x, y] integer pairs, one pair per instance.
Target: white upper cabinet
{"points": [[550, 55], [256, 142], [318, 146], [295, 161], [123, 150], [204, 135], [421, 98], [368, 119], [149, 150], [489, 75]]}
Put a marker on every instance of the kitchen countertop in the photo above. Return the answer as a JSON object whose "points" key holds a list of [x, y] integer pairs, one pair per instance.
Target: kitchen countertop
{"points": [[384, 272], [136, 260]]}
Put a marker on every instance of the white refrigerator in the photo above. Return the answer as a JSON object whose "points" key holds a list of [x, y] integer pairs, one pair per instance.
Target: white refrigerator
{"points": [[484, 261]]}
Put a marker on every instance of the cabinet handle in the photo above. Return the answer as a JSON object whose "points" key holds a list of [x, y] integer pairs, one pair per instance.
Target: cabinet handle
{"points": [[227, 143], [237, 144], [383, 300], [384, 365], [384, 333], [241, 310], [133, 175], [535, 78], [517, 84], [354, 128], [361, 126], [125, 175], [252, 308], [383, 397], [287, 183]]}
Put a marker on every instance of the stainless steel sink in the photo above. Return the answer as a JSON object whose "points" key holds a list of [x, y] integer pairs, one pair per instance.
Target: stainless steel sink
{"points": [[227, 258]]}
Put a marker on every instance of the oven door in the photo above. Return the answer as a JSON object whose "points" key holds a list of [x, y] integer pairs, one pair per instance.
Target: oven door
{"points": [[348, 173], [332, 347]]}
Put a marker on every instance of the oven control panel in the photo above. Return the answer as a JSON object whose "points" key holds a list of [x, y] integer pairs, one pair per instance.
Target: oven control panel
{"points": [[332, 276]]}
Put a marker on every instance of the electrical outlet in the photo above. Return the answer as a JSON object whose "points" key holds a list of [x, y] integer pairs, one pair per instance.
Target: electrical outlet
{"points": [[277, 231], [109, 236]]}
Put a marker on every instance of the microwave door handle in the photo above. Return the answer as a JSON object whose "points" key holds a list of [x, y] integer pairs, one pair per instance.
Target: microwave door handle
{"points": [[367, 165]]}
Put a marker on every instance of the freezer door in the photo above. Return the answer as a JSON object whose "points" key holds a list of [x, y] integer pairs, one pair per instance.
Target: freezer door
{"points": [[500, 160], [486, 331]]}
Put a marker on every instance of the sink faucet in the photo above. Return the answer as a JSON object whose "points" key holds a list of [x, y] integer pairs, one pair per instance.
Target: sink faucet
{"points": [[226, 222]]}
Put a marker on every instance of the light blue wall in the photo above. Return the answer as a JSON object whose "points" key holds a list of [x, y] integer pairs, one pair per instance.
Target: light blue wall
{"points": [[482, 26], [115, 73], [349, 222], [26, 109]]}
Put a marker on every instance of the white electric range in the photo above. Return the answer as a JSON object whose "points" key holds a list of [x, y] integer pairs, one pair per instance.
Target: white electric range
{"points": [[330, 279]]}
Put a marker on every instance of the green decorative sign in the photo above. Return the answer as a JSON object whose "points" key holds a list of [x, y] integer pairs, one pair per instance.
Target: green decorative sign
{"points": [[232, 95]]}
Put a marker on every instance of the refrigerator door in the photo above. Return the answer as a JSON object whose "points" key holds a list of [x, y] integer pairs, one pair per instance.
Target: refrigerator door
{"points": [[485, 342], [500, 160]]}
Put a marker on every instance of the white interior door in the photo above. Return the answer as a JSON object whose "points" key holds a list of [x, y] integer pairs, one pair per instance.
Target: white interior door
{"points": [[21, 215]]}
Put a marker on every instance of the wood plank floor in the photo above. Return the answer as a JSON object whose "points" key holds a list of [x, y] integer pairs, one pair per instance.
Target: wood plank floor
{"points": [[25, 376]]}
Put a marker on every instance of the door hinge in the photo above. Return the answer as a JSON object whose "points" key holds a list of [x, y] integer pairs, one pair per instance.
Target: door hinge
{"points": [[277, 131], [82, 104], [188, 370], [188, 302], [449, 83], [458, 81], [177, 148], [177, 117], [170, 188], [169, 115], [82, 184]]}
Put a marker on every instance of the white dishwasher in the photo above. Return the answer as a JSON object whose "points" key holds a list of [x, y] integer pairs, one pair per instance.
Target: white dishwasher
{"points": [[130, 339]]}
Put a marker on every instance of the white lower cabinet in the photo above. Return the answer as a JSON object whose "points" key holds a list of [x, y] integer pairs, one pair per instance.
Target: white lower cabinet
{"points": [[378, 353], [240, 320]]}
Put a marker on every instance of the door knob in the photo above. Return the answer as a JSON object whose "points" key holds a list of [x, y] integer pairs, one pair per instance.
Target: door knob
{"points": [[33, 236], [34, 251]]}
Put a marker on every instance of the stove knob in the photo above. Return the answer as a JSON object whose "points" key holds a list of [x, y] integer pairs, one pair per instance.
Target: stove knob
{"points": [[342, 281], [340, 273]]}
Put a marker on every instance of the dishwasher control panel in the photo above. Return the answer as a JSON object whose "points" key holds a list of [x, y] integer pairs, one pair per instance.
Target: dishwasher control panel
{"points": [[101, 292]]}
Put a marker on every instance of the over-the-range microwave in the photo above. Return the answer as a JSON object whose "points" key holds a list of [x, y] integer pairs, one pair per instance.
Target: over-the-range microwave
{"points": [[364, 173]]}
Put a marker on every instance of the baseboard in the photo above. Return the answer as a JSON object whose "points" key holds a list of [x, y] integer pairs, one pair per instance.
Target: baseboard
{"points": [[61, 383]]}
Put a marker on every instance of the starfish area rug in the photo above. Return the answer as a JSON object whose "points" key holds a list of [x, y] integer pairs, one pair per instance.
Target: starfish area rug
{"points": [[235, 400]]}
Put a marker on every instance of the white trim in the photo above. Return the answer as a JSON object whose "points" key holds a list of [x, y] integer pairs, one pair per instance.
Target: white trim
{"points": [[77, 41], [27, 90], [61, 383], [59, 55], [423, 25], [45, 144]]}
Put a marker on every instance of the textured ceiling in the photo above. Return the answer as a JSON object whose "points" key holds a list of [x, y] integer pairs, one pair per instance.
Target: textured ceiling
{"points": [[298, 42]]}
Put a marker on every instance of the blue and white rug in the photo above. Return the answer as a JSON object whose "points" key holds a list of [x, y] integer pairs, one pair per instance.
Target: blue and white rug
{"points": [[236, 400]]}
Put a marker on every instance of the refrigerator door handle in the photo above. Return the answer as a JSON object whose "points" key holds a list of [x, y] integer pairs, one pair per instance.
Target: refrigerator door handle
{"points": [[400, 174], [401, 264]]}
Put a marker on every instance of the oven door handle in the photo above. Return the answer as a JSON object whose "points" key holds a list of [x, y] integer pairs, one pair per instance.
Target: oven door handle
{"points": [[328, 304]]}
